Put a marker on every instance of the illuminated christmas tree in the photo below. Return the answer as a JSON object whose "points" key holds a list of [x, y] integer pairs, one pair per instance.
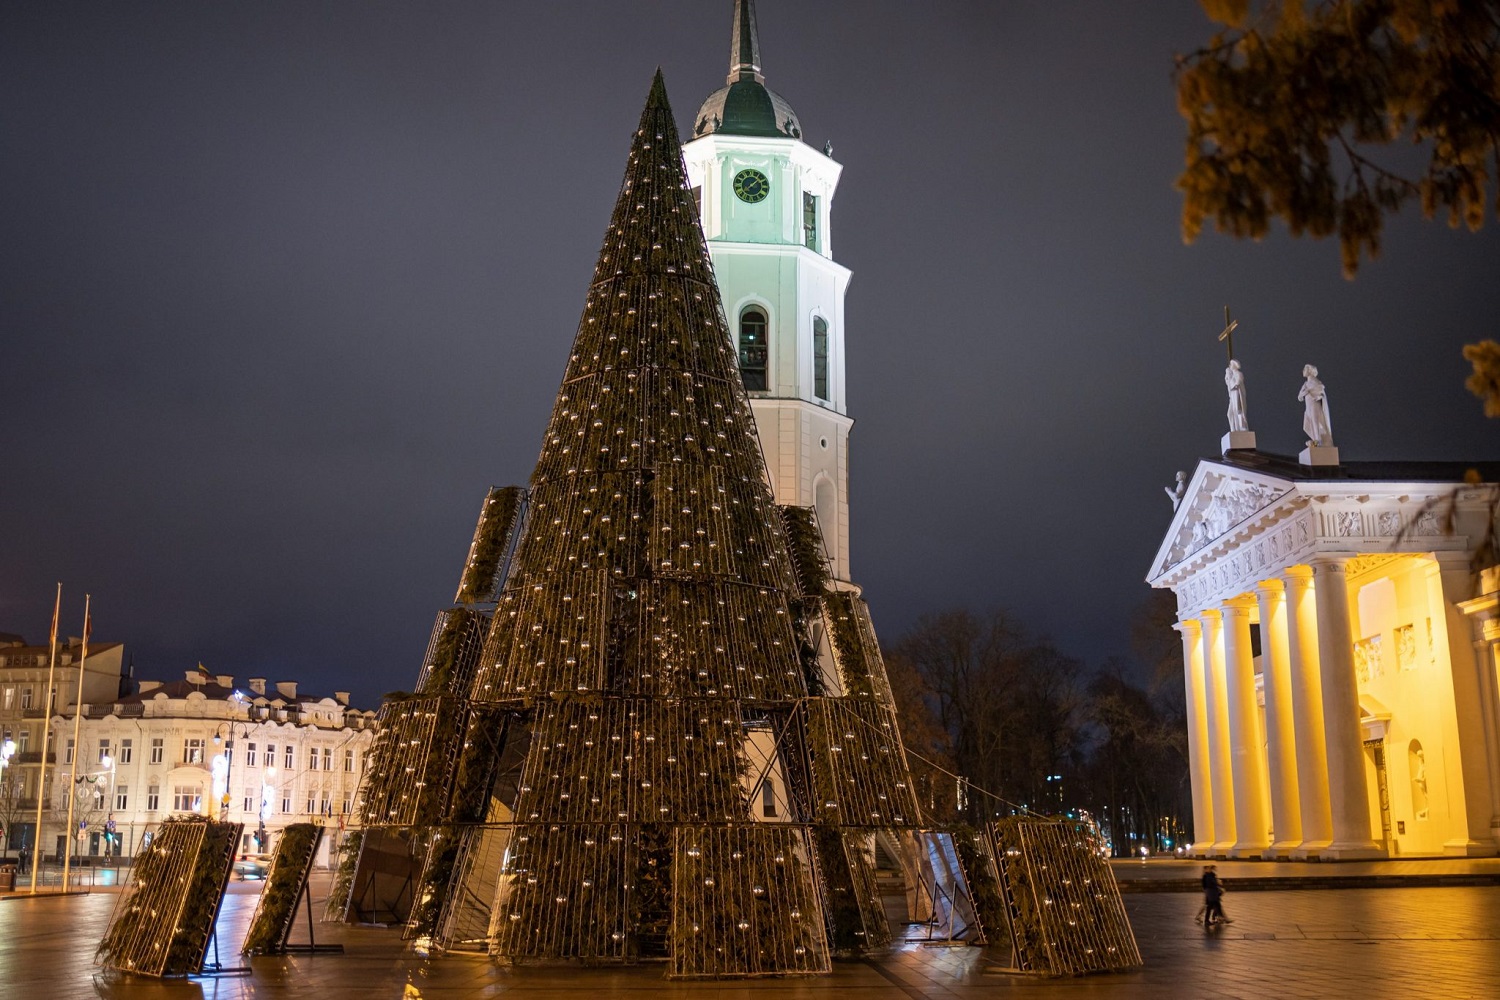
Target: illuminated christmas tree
{"points": [[650, 728]]}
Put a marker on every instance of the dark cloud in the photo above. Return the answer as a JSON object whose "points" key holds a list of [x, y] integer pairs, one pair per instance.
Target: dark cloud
{"points": [[285, 287]]}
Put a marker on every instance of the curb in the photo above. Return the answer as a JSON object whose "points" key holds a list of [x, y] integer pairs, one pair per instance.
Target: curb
{"points": [[1273, 884]]}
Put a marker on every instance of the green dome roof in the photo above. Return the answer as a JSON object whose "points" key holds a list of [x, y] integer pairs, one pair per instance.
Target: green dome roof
{"points": [[745, 105]]}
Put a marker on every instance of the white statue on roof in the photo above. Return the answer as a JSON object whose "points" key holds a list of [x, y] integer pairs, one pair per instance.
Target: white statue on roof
{"points": [[1234, 381], [1315, 421]]}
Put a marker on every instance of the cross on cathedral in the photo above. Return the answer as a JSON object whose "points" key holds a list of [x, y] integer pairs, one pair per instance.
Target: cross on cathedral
{"points": [[1228, 334]]}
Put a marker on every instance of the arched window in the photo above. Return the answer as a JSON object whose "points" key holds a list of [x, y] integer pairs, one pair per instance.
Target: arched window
{"points": [[820, 357], [753, 351]]}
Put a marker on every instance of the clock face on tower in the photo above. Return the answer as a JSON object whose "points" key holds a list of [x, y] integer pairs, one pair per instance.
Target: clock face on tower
{"points": [[751, 186]]}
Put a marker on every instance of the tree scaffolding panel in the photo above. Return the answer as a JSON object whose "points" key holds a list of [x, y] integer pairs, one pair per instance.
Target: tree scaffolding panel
{"points": [[162, 923], [633, 760], [286, 881], [1066, 914], [858, 764], [500, 520], [453, 652], [855, 648], [565, 894], [412, 761], [744, 903]]}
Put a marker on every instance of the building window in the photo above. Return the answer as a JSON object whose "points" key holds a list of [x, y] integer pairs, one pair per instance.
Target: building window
{"points": [[249, 800], [10, 696], [312, 801], [768, 799], [127, 751], [68, 754], [327, 803], [192, 750], [186, 798], [348, 762], [810, 221], [103, 750], [249, 754], [753, 351], [348, 803], [820, 357], [312, 758], [153, 798], [286, 801], [122, 797], [25, 698], [157, 751], [22, 739], [289, 765], [327, 759], [698, 200], [270, 755]]}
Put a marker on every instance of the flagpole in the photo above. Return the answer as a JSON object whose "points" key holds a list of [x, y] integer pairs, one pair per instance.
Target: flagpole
{"points": [[77, 749], [41, 781]]}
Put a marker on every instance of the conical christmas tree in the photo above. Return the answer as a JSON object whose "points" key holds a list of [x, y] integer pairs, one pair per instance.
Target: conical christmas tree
{"points": [[655, 752]]}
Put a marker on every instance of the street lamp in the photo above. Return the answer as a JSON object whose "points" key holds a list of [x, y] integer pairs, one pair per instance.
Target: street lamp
{"points": [[228, 744], [7, 750], [109, 805]]}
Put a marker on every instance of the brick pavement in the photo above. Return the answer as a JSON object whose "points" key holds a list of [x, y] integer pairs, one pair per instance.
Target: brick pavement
{"points": [[1406, 943]]}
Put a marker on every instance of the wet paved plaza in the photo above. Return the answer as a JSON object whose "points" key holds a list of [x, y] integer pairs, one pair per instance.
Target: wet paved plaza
{"points": [[1369, 943]]}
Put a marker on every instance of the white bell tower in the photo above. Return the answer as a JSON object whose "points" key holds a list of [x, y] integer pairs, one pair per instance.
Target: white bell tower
{"points": [[764, 196]]}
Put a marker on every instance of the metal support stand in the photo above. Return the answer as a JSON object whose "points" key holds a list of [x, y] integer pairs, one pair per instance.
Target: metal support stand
{"points": [[217, 967], [312, 947]]}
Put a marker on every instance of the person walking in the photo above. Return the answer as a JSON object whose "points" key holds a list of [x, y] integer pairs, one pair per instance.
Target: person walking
{"points": [[1213, 896]]}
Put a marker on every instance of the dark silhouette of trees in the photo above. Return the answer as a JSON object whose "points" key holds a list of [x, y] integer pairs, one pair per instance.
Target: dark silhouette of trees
{"points": [[982, 697]]}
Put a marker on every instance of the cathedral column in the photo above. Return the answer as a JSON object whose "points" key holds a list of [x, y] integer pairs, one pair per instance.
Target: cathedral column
{"points": [[1197, 723], [1348, 791], [1247, 763], [1281, 748], [1220, 774], [1476, 767], [1307, 713]]}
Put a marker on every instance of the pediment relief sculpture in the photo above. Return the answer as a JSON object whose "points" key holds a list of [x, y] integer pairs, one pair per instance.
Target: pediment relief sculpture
{"points": [[1230, 502]]}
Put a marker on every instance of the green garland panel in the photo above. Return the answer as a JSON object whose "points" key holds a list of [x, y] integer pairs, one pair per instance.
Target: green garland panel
{"points": [[162, 923], [494, 536], [285, 882], [1066, 914], [858, 764], [744, 903]]}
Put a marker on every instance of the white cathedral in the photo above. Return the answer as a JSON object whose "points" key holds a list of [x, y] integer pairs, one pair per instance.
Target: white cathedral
{"points": [[764, 196], [1340, 670]]}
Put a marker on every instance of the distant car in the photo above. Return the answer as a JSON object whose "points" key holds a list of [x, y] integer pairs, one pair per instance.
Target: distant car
{"points": [[251, 866]]}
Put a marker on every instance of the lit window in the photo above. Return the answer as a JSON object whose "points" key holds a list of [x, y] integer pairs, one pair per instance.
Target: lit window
{"points": [[820, 357], [753, 350], [192, 750]]}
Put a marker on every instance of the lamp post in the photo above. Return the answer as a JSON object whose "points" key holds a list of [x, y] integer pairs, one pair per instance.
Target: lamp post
{"points": [[228, 744], [109, 806], [12, 796]]}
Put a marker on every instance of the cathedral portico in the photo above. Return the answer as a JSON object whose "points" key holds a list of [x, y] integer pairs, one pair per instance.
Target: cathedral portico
{"points": [[1336, 706]]}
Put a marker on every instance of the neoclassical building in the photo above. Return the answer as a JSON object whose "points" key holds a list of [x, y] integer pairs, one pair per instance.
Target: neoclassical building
{"points": [[1340, 671]]}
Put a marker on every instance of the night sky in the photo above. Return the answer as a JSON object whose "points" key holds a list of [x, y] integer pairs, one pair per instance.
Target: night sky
{"points": [[284, 287]]}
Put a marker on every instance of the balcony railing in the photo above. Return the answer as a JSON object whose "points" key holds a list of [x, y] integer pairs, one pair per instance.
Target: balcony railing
{"points": [[33, 757]]}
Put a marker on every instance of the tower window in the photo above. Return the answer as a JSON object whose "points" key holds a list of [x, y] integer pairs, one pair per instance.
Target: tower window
{"points": [[820, 357], [753, 351], [698, 200], [810, 221]]}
